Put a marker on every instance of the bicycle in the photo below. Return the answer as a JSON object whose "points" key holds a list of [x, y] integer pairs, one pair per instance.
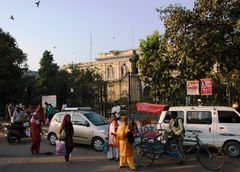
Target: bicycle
{"points": [[208, 155], [150, 149]]}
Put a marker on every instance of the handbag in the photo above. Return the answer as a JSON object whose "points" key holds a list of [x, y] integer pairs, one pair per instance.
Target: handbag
{"points": [[60, 148], [130, 137]]}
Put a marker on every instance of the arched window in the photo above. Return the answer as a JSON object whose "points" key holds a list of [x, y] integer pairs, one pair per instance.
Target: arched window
{"points": [[110, 72], [124, 70]]}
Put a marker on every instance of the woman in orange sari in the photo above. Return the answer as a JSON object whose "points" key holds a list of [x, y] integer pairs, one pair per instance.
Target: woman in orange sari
{"points": [[125, 148]]}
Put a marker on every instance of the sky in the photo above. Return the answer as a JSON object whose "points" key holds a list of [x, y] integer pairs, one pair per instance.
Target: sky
{"points": [[75, 31]]}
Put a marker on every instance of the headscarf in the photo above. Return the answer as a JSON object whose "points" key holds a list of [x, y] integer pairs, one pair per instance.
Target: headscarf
{"points": [[124, 119], [68, 124], [66, 117], [34, 119]]}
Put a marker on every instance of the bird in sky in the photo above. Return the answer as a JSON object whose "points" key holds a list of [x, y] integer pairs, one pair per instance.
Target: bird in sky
{"points": [[37, 3], [12, 18], [54, 47]]}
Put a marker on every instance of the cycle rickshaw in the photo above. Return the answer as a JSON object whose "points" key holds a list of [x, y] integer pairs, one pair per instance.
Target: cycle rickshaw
{"points": [[153, 146]]}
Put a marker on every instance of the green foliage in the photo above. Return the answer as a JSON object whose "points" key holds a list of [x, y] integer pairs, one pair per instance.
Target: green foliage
{"points": [[47, 74], [198, 43], [85, 85], [12, 59]]}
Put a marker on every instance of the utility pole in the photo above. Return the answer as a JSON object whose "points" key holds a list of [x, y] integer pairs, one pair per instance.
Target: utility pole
{"points": [[91, 43]]}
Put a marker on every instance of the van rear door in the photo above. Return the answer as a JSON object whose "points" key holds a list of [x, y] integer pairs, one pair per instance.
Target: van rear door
{"points": [[200, 122], [228, 126]]}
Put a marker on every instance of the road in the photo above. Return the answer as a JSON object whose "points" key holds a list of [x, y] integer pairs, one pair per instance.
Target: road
{"points": [[17, 157]]}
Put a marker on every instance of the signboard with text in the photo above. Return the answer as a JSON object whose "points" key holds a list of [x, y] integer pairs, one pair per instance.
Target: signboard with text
{"points": [[193, 87], [206, 86]]}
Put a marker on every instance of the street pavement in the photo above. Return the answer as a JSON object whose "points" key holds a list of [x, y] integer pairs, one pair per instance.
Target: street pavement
{"points": [[16, 157]]}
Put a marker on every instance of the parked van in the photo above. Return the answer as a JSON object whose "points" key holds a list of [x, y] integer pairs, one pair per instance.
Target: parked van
{"points": [[219, 125], [89, 127]]}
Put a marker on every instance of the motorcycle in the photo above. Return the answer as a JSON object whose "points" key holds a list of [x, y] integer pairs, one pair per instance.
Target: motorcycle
{"points": [[16, 132]]}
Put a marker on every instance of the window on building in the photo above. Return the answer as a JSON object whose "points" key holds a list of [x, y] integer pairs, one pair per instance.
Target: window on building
{"points": [[124, 70], [199, 117], [228, 117], [110, 72]]}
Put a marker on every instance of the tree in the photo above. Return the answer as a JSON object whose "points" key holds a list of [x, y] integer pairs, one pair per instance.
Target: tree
{"points": [[46, 80], [12, 59], [85, 84], [156, 67], [200, 42]]}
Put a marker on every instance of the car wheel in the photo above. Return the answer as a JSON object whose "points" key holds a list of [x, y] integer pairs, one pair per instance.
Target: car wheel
{"points": [[51, 138], [11, 139], [232, 149], [97, 143]]}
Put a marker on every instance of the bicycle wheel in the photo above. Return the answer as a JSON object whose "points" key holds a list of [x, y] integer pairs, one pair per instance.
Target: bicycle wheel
{"points": [[143, 156], [210, 157]]}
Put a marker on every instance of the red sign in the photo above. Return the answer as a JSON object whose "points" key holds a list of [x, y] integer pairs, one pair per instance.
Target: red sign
{"points": [[206, 87], [151, 108]]}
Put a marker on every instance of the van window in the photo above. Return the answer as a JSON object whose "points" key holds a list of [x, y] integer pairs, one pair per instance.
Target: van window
{"points": [[168, 116], [228, 117], [199, 117]]}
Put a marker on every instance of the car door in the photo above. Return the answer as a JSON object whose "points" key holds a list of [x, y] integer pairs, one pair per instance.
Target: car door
{"points": [[81, 130], [200, 122]]}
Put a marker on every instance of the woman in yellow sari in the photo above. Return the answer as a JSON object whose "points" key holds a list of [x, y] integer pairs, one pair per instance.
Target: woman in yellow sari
{"points": [[125, 148]]}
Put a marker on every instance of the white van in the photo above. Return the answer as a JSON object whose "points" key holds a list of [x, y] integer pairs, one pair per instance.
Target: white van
{"points": [[219, 125]]}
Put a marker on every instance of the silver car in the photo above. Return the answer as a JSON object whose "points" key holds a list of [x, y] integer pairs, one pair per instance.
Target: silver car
{"points": [[89, 128]]}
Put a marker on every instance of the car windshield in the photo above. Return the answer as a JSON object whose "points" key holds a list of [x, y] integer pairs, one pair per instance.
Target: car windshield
{"points": [[96, 119]]}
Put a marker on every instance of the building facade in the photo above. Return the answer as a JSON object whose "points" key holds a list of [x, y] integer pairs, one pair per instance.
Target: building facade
{"points": [[115, 69]]}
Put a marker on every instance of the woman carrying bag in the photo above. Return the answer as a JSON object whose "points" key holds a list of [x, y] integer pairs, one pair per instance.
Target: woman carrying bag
{"points": [[65, 134]]}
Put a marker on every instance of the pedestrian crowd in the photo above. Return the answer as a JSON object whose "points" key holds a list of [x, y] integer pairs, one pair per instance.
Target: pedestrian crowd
{"points": [[12, 110], [121, 141], [22, 117]]}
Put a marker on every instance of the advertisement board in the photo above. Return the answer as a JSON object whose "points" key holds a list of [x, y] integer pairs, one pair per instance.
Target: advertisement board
{"points": [[52, 99], [193, 87], [206, 86]]}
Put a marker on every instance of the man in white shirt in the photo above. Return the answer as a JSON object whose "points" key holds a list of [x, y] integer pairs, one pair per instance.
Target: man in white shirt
{"points": [[19, 116], [116, 110], [113, 151]]}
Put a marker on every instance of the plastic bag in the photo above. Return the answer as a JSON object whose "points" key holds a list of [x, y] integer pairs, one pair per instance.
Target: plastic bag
{"points": [[47, 122], [60, 148]]}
